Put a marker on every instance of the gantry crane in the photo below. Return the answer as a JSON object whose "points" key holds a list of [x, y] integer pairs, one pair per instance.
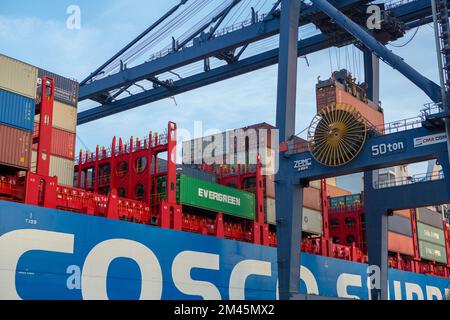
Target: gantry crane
{"points": [[111, 87]]}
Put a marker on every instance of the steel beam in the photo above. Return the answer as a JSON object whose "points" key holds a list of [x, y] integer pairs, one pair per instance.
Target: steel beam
{"points": [[378, 203], [255, 32], [372, 75], [368, 159], [289, 201], [376, 220], [310, 45], [413, 10], [136, 40], [426, 85], [228, 71]]}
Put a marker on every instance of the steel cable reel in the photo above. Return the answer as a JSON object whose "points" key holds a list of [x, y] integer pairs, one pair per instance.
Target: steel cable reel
{"points": [[336, 135]]}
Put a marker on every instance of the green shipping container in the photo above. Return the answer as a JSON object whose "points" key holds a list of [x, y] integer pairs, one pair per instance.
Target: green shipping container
{"points": [[432, 252], [210, 196], [351, 200], [430, 234], [337, 201]]}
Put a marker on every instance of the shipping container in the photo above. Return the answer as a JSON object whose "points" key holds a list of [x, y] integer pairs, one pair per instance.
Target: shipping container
{"points": [[270, 186], [190, 171], [62, 145], [335, 94], [400, 243], [63, 169], [430, 234], [333, 191], [64, 117], [400, 225], [429, 217], [312, 199], [432, 252], [348, 200], [217, 198], [406, 213], [16, 111], [18, 77], [66, 90], [337, 202], [15, 147], [312, 221], [59, 167], [270, 211], [315, 184], [331, 182], [353, 199]]}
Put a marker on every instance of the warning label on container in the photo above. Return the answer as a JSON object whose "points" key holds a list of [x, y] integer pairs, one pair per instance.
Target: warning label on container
{"points": [[429, 140]]}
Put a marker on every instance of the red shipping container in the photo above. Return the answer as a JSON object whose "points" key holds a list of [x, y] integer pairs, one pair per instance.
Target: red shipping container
{"points": [[312, 199], [403, 213], [333, 191], [15, 147], [400, 243], [334, 94], [63, 144]]}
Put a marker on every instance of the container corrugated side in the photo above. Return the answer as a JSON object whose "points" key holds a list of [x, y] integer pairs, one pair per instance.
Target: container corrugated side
{"points": [[196, 173], [18, 77], [66, 90], [15, 147], [270, 211], [63, 143], [333, 191], [430, 234], [16, 110], [312, 199], [334, 94], [312, 221], [406, 213], [400, 225], [59, 167], [432, 252], [64, 117], [270, 186], [400, 243], [429, 217], [217, 198]]}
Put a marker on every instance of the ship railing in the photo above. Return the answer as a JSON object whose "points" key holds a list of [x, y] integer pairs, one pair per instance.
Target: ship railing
{"points": [[343, 208], [221, 32], [430, 109], [169, 49], [106, 153], [400, 125], [396, 3], [403, 181]]}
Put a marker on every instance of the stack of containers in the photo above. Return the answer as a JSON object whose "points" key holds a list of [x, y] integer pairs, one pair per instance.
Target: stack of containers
{"points": [[63, 128], [430, 232], [312, 211], [400, 233], [17, 107], [346, 200]]}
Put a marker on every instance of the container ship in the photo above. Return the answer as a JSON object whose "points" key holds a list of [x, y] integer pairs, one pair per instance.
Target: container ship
{"points": [[131, 222]]}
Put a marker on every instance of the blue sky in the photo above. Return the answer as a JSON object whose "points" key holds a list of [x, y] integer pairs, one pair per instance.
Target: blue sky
{"points": [[36, 32]]}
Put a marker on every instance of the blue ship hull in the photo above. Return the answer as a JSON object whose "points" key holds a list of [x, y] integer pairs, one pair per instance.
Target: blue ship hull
{"points": [[51, 254]]}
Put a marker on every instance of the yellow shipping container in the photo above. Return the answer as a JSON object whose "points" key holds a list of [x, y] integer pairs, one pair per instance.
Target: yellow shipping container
{"points": [[59, 167], [64, 117], [18, 77]]}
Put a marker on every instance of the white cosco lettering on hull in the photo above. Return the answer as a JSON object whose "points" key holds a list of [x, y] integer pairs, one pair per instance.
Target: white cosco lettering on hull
{"points": [[94, 272]]}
